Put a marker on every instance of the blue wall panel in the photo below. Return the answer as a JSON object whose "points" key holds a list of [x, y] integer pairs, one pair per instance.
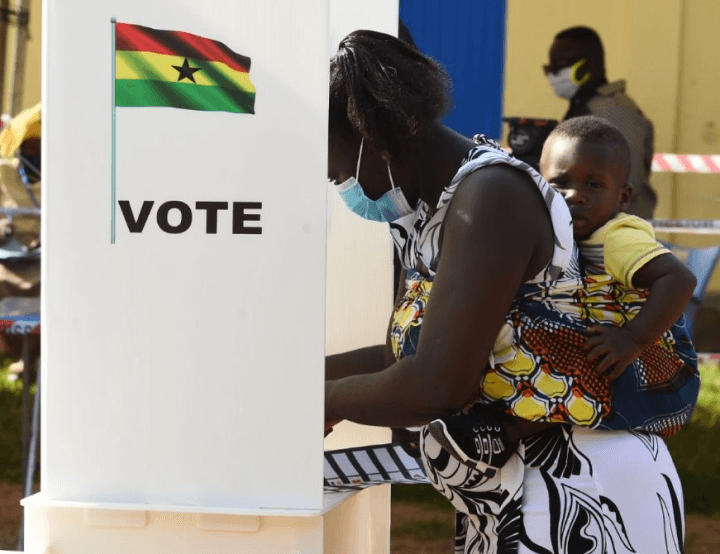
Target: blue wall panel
{"points": [[467, 36]]}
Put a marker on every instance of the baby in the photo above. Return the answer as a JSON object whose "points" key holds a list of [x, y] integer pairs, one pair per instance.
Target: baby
{"points": [[587, 160]]}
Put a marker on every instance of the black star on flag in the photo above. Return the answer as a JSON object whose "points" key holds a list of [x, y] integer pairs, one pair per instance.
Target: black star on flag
{"points": [[185, 71]]}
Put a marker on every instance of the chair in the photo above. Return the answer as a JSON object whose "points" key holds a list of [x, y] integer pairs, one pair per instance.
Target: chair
{"points": [[702, 262], [20, 210]]}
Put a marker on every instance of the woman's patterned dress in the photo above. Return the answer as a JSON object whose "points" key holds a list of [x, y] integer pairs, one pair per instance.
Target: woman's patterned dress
{"points": [[599, 482]]}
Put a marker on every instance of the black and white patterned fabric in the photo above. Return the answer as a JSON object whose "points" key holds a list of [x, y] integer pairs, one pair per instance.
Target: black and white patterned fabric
{"points": [[569, 489], [566, 490], [417, 236]]}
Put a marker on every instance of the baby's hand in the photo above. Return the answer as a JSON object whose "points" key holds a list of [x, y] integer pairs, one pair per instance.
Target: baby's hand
{"points": [[611, 349]]}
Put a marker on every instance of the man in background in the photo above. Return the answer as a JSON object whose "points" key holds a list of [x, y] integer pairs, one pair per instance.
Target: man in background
{"points": [[577, 73]]}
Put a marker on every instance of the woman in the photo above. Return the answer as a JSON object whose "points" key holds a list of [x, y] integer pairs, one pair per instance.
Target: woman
{"points": [[476, 230]]}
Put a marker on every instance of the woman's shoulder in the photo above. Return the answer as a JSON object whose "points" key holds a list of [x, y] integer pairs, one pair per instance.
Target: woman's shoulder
{"points": [[485, 153], [505, 180]]}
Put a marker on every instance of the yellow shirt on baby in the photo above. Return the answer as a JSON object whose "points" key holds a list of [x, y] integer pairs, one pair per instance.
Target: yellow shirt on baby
{"points": [[620, 247]]}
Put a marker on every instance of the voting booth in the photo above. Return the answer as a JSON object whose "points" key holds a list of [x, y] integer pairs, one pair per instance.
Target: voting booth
{"points": [[197, 268]]}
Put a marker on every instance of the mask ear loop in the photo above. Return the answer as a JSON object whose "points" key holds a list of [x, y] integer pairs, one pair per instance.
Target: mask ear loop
{"points": [[574, 68], [357, 169], [392, 183]]}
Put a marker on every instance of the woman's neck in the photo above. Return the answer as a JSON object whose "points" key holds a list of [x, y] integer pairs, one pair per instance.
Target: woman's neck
{"points": [[435, 159]]}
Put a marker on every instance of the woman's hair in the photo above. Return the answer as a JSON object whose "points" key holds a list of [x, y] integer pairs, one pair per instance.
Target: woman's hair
{"points": [[385, 90]]}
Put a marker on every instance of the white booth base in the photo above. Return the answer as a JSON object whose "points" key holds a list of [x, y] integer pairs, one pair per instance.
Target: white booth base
{"points": [[345, 525]]}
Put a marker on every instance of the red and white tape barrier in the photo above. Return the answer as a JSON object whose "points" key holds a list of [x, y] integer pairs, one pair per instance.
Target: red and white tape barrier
{"points": [[686, 163], [709, 357]]}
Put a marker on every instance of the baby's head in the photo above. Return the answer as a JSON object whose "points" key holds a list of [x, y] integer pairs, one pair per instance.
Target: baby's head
{"points": [[587, 160]]}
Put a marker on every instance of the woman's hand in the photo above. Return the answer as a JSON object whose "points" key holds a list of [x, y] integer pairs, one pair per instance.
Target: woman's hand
{"points": [[611, 349]]}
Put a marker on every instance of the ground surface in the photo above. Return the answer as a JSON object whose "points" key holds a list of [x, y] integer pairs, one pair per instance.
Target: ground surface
{"points": [[417, 528]]}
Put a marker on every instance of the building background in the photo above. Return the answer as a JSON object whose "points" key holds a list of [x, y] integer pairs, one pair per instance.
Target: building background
{"points": [[30, 81], [668, 53], [667, 50]]}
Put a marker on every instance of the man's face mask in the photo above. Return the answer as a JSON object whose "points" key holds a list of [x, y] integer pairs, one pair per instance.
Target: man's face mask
{"points": [[565, 83], [391, 206]]}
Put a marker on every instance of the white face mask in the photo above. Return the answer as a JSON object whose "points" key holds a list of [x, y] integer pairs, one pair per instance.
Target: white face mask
{"points": [[565, 83]]}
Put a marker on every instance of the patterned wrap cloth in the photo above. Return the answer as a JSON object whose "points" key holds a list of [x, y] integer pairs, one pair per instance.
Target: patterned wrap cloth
{"points": [[570, 489], [538, 369]]}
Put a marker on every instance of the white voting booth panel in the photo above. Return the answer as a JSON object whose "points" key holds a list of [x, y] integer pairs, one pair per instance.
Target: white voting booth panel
{"points": [[186, 365], [182, 407]]}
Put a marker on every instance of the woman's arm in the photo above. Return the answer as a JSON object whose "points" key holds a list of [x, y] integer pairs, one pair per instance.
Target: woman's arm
{"points": [[355, 362], [497, 234], [671, 286]]}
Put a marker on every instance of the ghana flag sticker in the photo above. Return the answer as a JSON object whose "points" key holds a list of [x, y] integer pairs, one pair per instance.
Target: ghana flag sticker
{"points": [[179, 70]]}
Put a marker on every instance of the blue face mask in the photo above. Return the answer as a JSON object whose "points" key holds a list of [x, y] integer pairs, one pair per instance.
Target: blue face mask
{"points": [[389, 207]]}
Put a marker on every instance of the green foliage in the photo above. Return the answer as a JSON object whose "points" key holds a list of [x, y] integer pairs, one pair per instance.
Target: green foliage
{"points": [[696, 449], [421, 494], [437, 527], [10, 426], [432, 529]]}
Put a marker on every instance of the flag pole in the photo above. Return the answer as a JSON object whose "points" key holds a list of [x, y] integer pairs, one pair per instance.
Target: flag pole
{"points": [[113, 158]]}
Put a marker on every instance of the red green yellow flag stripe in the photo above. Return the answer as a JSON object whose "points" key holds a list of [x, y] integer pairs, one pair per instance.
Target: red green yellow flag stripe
{"points": [[179, 70]]}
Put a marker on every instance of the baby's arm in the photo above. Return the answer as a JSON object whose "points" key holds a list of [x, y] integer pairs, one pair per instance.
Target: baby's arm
{"points": [[670, 285]]}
